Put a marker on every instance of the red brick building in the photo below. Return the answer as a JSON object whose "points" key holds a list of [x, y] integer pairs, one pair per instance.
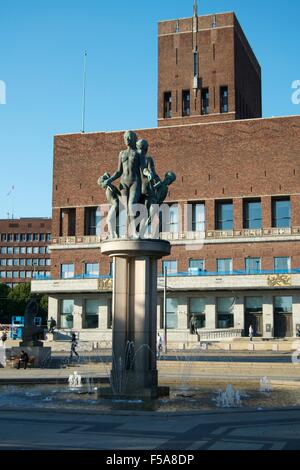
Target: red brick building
{"points": [[24, 250], [236, 261]]}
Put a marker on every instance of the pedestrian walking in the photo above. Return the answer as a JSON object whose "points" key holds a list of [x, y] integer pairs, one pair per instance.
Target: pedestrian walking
{"points": [[74, 344], [52, 325], [251, 332], [159, 345], [4, 338]]}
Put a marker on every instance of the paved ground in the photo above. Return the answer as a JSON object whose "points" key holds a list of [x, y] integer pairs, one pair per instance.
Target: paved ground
{"points": [[272, 430]]}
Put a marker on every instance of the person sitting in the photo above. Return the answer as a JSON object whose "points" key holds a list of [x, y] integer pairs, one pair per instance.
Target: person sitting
{"points": [[24, 359]]}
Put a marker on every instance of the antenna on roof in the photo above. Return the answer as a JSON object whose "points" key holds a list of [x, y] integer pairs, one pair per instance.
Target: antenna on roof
{"points": [[84, 92], [195, 8]]}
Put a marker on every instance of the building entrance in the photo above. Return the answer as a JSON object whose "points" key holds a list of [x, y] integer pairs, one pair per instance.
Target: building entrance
{"points": [[256, 320], [283, 325]]}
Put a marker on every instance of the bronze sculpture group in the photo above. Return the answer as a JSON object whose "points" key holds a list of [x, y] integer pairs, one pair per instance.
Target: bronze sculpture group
{"points": [[141, 190]]}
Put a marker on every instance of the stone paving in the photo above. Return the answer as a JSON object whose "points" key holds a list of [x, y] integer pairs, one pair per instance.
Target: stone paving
{"points": [[235, 430]]}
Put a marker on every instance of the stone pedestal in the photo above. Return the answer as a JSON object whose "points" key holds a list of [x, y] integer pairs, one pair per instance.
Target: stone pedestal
{"points": [[134, 368]]}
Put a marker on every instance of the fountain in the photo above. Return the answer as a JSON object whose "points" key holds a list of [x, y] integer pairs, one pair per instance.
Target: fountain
{"points": [[265, 385], [75, 381], [229, 399]]}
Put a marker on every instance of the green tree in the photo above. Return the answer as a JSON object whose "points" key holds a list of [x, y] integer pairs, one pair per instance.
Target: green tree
{"points": [[4, 312]]}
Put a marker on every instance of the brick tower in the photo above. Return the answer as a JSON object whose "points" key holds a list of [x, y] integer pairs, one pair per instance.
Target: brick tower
{"points": [[207, 71]]}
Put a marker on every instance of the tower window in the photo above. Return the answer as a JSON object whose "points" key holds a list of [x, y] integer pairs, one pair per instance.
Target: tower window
{"points": [[167, 104], [186, 103], [196, 63], [224, 99], [205, 101]]}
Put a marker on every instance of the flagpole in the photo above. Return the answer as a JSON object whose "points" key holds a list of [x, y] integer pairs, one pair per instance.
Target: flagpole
{"points": [[84, 92]]}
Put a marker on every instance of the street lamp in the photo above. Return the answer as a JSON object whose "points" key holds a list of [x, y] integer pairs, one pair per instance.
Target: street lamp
{"points": [[165, 310]]}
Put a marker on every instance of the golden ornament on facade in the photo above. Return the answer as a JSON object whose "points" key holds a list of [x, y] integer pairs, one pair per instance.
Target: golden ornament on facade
{"points": [[105, 284], [280, 280]]}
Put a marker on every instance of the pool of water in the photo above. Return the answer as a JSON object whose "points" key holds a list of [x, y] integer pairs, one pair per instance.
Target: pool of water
{"points": [[201, 398]]}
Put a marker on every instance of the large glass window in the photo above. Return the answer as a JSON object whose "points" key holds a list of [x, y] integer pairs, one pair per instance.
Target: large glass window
{"points": [[186, 103], [92, 269], [224, 266], [252, 265], [167, 105], [196, 265], [198, 218], [281, 213], [67, 271], [254, 304], [172, 317], [252, 215], [92, 221], [225, 307], [197, 309], [205, 101], [224, 215], [282, 264], [66, 318], [283, 304], [91, 313], [224, 99], [171, 267]]}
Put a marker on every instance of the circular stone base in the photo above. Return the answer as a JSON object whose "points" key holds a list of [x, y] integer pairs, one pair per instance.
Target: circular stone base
{"points": [[135, 248]]}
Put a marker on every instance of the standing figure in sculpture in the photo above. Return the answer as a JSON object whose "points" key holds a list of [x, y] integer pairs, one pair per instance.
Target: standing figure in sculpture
{"points": [[112, 195], [130, 174]]}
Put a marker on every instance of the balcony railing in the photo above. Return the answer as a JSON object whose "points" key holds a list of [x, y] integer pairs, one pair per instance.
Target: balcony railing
{"points": [[190, 236], [191, 273]]}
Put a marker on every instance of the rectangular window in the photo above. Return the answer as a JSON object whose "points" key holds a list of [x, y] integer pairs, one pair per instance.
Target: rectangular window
{"points": [[196, 63], [9, 262], [171, 219], [205, 101], [48, 262], [28, 274], [68, 222], [10, 237], [224, 99], [22, 262], [16, 250], [281, 213], [67, 271], [254, 304], [16, 237], [22, 274], [224, 266], [198, 218], [283, 304], [29, 237], [3, 250], [186, 103], [252, 215], [91, 314], [27, 250], [42, 250], [28, 262], [282, 264], [172, 316], [225, 306], [23, 250], [224, 215], [252, 265], [196, 265], [23, 238], [167, 105], [171, 267], [48, 237], [66, 318], [10, 250], [197, 310], [36, 250], [16, 274], [92, 269], [3, 262], [35, 237], [9, 274], [3, 237], [41, 262], [3, 274], [42, 237], [92, 221], [16, 262]]}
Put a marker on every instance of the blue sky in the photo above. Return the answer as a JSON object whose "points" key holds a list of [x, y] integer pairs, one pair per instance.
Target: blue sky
{"points": [[41, 55]]}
